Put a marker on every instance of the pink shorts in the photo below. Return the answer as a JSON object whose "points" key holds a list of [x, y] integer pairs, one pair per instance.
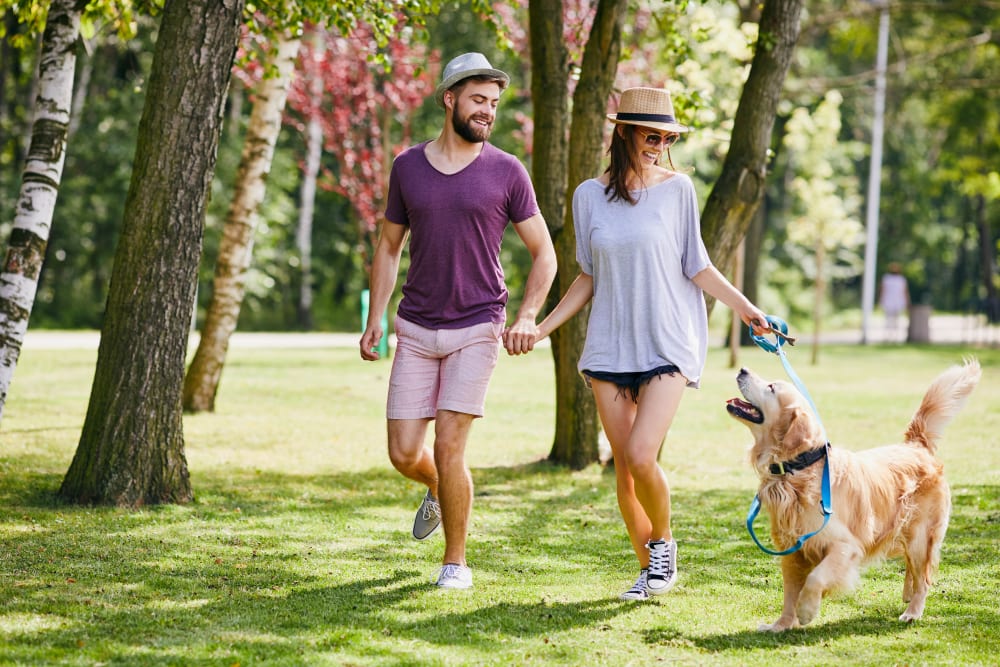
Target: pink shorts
{"points": [[443, 369]]}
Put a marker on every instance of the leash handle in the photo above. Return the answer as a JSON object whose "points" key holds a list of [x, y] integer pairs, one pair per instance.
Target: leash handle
{"points": [[780, 330]]}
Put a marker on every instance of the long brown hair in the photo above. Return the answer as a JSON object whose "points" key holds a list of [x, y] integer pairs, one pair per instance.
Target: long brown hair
{"points": [[624, 154]]}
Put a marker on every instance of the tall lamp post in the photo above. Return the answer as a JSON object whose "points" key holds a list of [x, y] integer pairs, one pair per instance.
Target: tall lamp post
{"points": [[875, 173]]}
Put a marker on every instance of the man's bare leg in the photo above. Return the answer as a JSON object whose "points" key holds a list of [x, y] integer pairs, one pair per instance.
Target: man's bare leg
{"points": [[454, 481]]}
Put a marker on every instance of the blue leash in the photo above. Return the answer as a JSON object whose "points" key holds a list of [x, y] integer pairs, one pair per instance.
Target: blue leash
{"points": [[780, 328]]}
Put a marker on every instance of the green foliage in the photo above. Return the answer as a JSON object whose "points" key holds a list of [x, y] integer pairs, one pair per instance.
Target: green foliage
{"points": [[297, 547], [940, 185], [121, 16], [825, 190], [381, 16], [940, 135]]}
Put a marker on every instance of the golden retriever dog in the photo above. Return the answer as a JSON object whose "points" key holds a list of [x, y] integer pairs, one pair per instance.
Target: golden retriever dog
{"points": [[888, 501]]}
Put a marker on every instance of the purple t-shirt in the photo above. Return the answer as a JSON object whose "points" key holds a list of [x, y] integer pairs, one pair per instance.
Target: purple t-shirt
{"points": [[456, 225]]}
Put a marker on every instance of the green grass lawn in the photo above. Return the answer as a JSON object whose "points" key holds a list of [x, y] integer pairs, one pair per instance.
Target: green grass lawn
{"points": [[297, 549]]}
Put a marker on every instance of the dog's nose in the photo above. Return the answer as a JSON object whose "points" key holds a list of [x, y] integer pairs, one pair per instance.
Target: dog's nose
{"points": [[743, 371]]}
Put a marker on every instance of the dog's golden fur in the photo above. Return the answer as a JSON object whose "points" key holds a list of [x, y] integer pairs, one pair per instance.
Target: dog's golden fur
{"points": [[888, 501]]}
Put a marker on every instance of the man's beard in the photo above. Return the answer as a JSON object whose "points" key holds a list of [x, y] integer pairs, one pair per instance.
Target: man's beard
{"points": [[473, 133]]}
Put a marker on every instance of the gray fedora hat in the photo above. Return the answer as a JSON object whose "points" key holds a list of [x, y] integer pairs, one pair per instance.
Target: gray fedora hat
{"points": [[464, 66]]}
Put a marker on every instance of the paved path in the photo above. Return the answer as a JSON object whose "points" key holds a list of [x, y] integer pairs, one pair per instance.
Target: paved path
{"points": [[944, 329]]}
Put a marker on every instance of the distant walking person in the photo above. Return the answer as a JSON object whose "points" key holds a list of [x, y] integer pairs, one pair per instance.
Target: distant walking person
{"points": [[452, 198], [894, 297], [644, 266]]}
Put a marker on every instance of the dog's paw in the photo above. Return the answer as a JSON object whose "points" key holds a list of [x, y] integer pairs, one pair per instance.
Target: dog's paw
{"points": [[807, 609], [778, 626], [914, 610]]}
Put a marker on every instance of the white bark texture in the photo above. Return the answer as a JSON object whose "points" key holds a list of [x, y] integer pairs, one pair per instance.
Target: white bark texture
{"points": [[307, 197], [307, 208], [236, 245], [39, 185]]}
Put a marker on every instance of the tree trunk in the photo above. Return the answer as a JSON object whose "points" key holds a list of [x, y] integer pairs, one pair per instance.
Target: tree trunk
{"points": [[307, 195], [987, 262], [236, 247], [735, 323], [131, 450], [740, 188], [40, 181], [819, 289], [753, 244], [576, 414], [307, 207], [550, 71], [550, 97], [81, 89]]}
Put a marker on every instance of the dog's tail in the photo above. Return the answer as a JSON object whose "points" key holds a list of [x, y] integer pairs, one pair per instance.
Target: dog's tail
{"points": [[943, 400]]}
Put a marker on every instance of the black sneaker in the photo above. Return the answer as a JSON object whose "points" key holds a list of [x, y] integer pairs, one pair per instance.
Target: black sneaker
{"points": [[662, 566], [428, 517], [638, 590]]}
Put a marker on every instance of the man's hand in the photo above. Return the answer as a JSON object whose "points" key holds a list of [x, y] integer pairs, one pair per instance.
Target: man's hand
{"points": [[520, 337], [369, 342]]}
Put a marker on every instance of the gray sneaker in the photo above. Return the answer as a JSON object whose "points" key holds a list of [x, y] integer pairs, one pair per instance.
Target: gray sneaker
{"points": [[453, 575], [428, 517], [662, 566]]}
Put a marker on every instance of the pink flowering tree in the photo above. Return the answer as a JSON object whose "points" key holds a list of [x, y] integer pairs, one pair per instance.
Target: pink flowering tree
{"points": [[362, 111]]}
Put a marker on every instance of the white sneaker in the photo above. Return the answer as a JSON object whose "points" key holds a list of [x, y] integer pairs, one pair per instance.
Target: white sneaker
{"points": [[454, 576], [638, 590], [662, 566], [428, 517]]}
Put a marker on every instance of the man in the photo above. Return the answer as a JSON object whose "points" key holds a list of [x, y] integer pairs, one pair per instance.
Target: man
{"points": [[452, 197]]}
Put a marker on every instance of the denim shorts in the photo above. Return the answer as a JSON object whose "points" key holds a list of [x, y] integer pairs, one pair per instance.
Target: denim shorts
{"points": [[630, 382]]}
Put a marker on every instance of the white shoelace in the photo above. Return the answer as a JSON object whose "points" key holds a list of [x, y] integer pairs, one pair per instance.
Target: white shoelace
{"points": [[450, 571], [638, 590], [432, 509], [659, 561]]}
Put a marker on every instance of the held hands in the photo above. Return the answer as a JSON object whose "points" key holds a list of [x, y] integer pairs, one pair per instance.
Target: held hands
{"points": [[520, 337]]}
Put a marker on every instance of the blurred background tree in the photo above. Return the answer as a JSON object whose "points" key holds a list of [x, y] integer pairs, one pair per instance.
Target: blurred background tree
{"points": [[940, 215]]}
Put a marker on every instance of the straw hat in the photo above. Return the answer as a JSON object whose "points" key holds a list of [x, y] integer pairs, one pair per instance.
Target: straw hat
{"points": [[648, 107], [464, 66]]}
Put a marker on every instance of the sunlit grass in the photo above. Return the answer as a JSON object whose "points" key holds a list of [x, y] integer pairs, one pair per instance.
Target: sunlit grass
{"points": [[297, 550]]}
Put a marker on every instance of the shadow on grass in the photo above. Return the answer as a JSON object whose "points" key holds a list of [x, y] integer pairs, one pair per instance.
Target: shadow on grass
{"points": [[275, 567], [813, 635]]}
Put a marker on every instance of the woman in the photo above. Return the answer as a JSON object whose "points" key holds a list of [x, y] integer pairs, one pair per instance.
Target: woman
{"points": [[644, 265]]}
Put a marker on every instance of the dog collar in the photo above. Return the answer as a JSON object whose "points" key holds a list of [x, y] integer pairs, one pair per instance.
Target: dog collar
{"points": [[800, 462]]}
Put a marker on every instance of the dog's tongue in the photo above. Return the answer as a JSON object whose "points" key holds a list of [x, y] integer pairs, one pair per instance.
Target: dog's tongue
{"points": [[744, 410]]}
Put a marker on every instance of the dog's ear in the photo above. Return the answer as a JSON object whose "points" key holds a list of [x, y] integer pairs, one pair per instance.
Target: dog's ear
{"points": [[794, 429]]}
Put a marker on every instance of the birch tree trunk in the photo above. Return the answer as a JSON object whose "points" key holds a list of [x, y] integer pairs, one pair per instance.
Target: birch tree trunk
{"points": [[740, 188], [40, 181], [303, 231], [131, 450], [575, 442], [236, 247], [80, 89], [307, 196]]}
